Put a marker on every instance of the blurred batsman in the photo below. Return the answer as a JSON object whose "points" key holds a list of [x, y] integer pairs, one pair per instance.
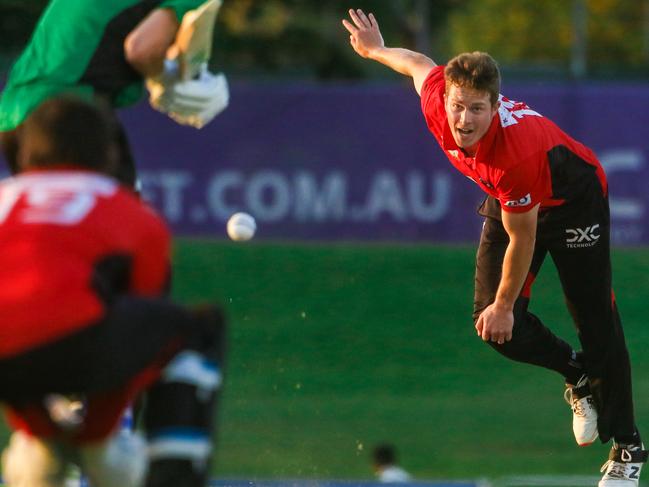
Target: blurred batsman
{"points": [[547, 194], [84, 326], [107, 50]]}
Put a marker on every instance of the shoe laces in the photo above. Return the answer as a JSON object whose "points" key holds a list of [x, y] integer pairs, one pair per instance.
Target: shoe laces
{"points": [[617, 470], [577, 405], [614, 470]]}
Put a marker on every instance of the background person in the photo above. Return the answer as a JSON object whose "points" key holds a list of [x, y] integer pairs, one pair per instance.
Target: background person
{"points": [[547, 193], [386, 468], [85, 266]]}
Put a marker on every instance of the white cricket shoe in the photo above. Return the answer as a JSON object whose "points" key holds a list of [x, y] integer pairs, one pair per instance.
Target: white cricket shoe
{"points": [[584, 414], [623, 466]]}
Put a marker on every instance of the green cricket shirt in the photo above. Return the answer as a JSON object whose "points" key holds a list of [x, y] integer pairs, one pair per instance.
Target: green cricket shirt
{"points": [[77, 47]]}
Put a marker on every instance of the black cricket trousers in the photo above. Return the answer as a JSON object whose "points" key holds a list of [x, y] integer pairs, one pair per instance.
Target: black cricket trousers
{"points": [[577, 237]]}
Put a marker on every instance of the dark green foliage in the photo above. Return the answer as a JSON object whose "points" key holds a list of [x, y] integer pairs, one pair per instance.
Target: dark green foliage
{"points": [[305, 39]]}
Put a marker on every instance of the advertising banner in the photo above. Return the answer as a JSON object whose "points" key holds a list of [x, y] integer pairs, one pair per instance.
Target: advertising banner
{"points": [[356, 162]]}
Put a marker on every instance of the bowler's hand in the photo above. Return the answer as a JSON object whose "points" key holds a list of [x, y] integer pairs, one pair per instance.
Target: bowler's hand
{"points": [[365, 34], [495, 324]]}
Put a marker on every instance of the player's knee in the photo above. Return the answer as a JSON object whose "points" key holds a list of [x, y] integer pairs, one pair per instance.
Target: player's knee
{"points": [[120, 461], [29, 461]]}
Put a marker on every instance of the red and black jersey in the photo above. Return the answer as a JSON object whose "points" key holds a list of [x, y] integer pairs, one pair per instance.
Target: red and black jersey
{"points": [[523, 160], [61, 233]]}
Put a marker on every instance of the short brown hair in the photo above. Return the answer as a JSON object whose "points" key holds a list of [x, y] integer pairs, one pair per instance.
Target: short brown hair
{"points": [[476, 70], [69, 130]]}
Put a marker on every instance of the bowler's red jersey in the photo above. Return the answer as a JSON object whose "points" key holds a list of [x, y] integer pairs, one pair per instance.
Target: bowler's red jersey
{"points": [[524, 159], [56, 229]]}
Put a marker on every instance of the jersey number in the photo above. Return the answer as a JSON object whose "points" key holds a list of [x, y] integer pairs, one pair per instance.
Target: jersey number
{"points": [[510, 111], [55, 205]]}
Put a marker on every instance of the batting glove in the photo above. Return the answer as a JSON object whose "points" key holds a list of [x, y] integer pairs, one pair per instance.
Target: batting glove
{"points": [[193, 102]]}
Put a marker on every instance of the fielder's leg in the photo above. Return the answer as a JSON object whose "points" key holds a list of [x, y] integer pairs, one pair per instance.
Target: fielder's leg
{"points": [[181, 406]]}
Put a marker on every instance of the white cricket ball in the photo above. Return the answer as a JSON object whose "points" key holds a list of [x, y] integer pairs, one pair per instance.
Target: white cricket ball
{"points": [[241, 226]]}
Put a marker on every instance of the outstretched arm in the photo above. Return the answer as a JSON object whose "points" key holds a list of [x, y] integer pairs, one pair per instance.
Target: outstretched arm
{"points": [[365, 37]]}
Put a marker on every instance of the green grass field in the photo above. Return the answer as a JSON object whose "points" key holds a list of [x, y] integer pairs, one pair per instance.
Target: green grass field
{"points": [[337, 347]]}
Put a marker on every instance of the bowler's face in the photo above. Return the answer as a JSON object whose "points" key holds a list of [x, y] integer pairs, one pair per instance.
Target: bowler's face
{"points": [[469, 114]]}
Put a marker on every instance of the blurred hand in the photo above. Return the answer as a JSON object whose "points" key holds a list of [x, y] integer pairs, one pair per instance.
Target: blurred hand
{"points": [[365, 34], [495, 324], [193, 102]]}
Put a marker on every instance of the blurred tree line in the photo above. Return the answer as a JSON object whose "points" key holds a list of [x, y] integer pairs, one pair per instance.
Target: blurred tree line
{"points": [[305, 39]]}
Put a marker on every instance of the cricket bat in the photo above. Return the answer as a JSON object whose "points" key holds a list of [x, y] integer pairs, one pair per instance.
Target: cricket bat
{"points": [[193, 44]]}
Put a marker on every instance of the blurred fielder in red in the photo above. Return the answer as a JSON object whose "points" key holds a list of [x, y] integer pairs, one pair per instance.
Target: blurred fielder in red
{"points": [[84, 267]]}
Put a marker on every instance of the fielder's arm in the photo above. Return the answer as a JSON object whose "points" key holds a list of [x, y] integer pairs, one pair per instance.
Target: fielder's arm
{"points": [[366, 39], [497, 320]]}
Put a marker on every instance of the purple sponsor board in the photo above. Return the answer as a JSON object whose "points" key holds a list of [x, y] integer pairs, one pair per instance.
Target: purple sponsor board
{"points": [[356, 162], [321, 163]]}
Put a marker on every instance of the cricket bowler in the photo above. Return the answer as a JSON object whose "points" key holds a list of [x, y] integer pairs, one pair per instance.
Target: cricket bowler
{"points": [[546, 194]]}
